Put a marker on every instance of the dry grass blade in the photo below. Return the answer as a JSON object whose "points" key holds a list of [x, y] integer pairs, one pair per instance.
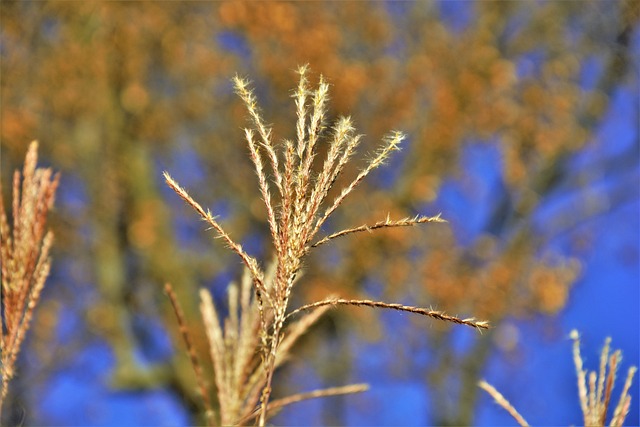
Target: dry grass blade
{"points": [[504, 403], [264, 186], [333, 391], [341, 149], [195, 361], [604, 355], [392, 143], [300, 97], [400, 307], [248, 260], [581, 375], [241, 86], [611, 378], [388, 223], [217, 351], [622, 408]]}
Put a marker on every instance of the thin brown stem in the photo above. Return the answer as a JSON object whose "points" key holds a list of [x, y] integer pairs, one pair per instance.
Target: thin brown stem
{"points": [[387, 223], [300, 397], [503, 402], [400, 307], [611, 378], [195, 361], [270, 361], [248, 260]]}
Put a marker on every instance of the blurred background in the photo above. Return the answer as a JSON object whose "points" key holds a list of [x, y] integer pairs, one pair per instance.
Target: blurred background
{"points": [[522, 122]]}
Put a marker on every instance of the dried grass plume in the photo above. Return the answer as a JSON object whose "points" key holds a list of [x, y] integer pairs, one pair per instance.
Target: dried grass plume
{"points": [[294, 186], [594, 388], [24, 254]]}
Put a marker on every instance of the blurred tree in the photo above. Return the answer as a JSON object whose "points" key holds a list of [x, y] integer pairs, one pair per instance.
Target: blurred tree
{"points": [[533, 80], [118, 91], [108, 87]]}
